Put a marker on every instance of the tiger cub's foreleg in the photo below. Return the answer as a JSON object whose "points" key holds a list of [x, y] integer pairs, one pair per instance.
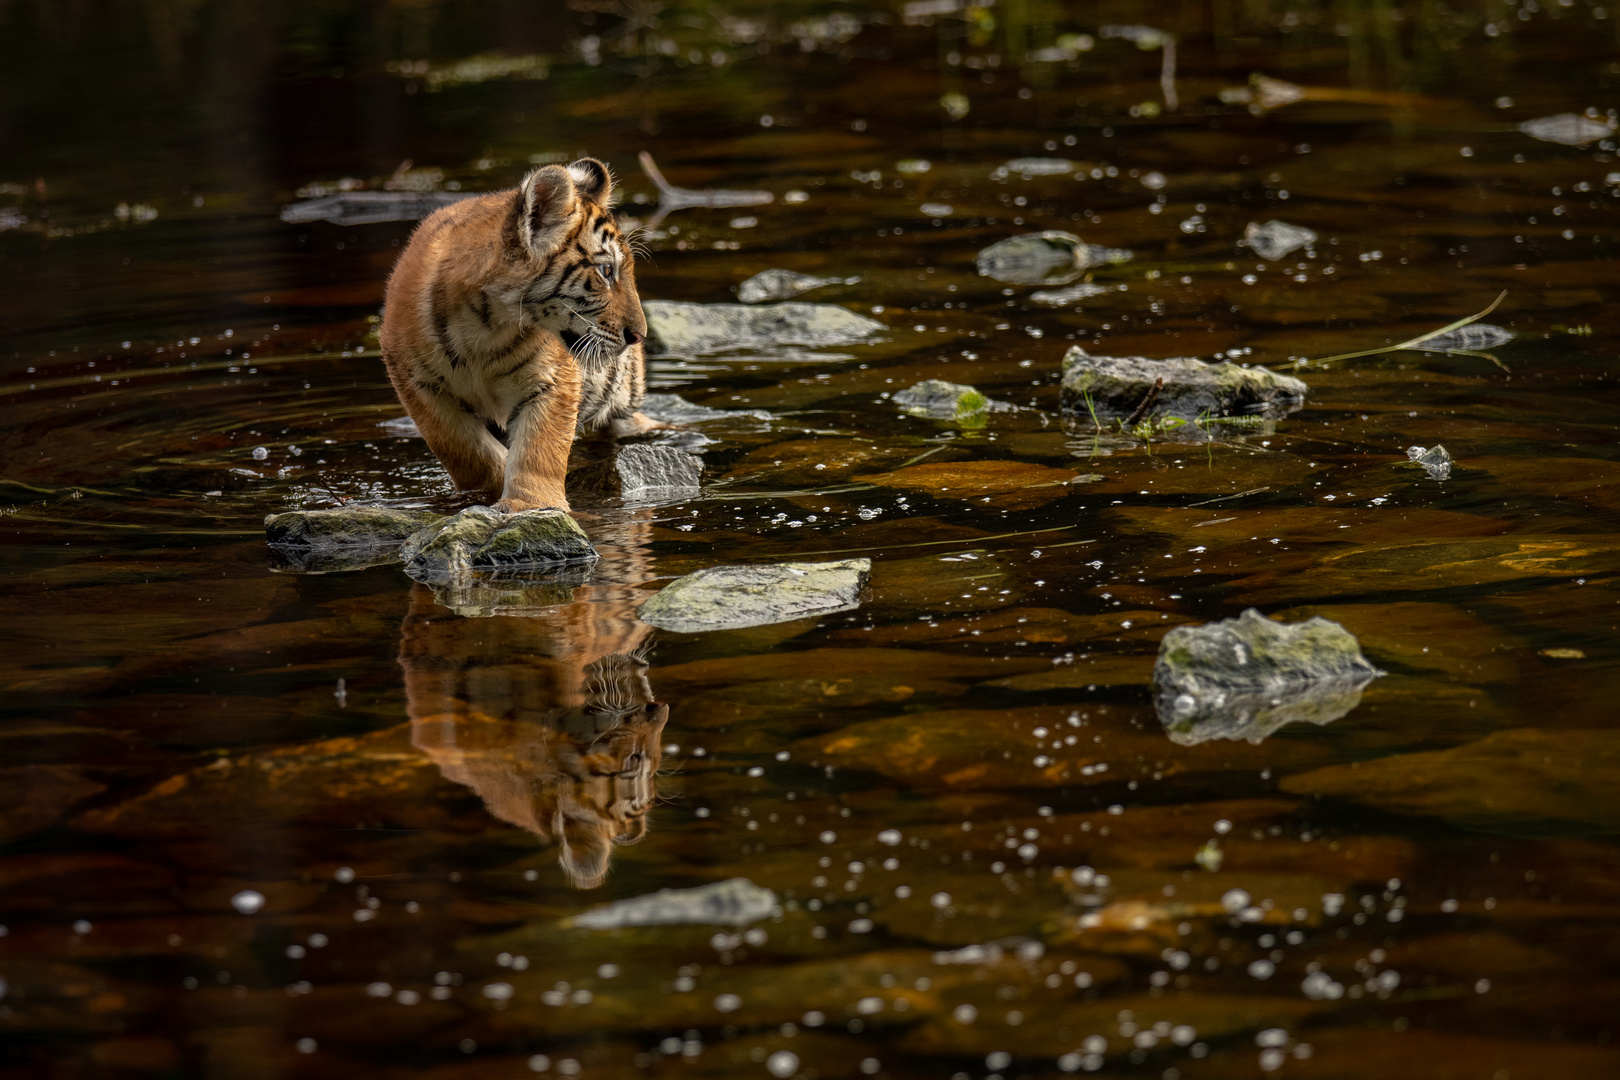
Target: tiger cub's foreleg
{"points": [[541, 432], [473, 457]]}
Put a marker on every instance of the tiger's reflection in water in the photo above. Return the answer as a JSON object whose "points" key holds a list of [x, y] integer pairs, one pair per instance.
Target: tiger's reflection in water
{"points": [[548, 716]]}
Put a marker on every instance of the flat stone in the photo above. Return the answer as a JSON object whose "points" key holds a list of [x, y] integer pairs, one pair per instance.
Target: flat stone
{"points": [[1244, 678], [344, 538], [680, 328], [1044, 258], [734, 902], [777, 284], [731, 597], [642, 472], [936, 399], [479, 538], [1118, 384]]}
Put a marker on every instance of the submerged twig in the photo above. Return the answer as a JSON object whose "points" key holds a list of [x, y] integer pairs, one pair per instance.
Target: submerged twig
{"points": [[1147, 403], [1224, 498], [672, 198], [1413, 343]]}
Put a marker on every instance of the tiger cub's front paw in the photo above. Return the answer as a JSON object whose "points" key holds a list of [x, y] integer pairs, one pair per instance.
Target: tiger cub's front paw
{"points": [[518, 506]]}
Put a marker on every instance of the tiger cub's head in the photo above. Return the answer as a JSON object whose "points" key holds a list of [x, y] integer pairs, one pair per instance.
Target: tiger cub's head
{"points": [[581, 279]]}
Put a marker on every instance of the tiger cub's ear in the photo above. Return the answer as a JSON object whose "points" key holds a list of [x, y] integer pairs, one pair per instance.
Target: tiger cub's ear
{"points": [[547, 202], [593, 180]]}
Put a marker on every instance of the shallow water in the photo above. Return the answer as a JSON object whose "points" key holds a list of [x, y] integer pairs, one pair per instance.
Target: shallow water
{"points": [[255, 823]]}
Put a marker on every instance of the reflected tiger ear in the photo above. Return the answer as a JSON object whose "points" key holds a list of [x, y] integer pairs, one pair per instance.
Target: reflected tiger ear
{"points": [[592, 179], [547, 202]]}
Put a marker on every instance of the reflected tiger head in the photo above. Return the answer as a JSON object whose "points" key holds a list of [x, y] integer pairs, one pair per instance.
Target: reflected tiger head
{"points": [[550, 719]]}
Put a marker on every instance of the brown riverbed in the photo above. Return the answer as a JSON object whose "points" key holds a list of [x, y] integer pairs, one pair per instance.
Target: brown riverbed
{"points": [[256, 823]]}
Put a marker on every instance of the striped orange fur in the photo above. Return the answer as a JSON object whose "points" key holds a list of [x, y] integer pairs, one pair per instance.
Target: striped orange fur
{"points": [[512, 321]]}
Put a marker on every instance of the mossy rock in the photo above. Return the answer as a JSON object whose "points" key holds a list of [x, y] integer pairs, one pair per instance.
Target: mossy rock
{"points": [[479, 538], [936, 399], [1116, 385], [1244, 678]]}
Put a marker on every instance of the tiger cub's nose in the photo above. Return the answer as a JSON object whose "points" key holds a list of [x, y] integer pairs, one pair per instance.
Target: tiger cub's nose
{"points": [[633, 338]]}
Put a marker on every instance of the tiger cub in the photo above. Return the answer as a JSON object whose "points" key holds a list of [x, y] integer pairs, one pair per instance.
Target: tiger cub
{"points": [[512, 321]]}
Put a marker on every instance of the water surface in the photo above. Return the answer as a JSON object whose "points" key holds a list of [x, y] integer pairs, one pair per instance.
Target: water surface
{"points": [[989, 857]]}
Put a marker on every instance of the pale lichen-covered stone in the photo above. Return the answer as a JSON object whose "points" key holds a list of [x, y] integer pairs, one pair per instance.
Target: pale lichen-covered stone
{"points": [[732, 597], [676, 327], [1246, 677], [734, 902]]}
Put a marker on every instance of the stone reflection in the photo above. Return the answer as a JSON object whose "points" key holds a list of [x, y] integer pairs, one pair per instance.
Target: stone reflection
{"points": [[543, 708]]}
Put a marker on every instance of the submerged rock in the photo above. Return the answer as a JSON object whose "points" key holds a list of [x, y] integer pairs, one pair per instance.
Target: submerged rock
{"points": [[1070, 295], [1568, 129], [369, 207], [783, 285], [1275, 239], [735, 902], [1521, 782], [1116, 385], [640, 471], [674, 409], [1044, 258], [1246, 677], [344, 538], [733, 597], [1470, 338], [1028, 167], [676, 327], [479, 538], [936, 399], [1436, 460]]}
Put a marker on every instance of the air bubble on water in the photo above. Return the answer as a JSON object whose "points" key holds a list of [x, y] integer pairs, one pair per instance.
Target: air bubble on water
{"points": [[1262, 969], [890, 837], [782, 1064], [728, 1003], [344, 875], [306, 1046], [964, 1014], [498, 991], [540, 1063], [379, 990], [813, 1019], [940, 900], [248, 902], [1234, 901]]}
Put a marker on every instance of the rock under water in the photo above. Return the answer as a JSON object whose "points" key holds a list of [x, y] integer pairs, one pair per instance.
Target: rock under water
{"points": [[1246, 677], [734, 902], [343, 538], [779, 284], [1044, 258], [733, 597]]}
